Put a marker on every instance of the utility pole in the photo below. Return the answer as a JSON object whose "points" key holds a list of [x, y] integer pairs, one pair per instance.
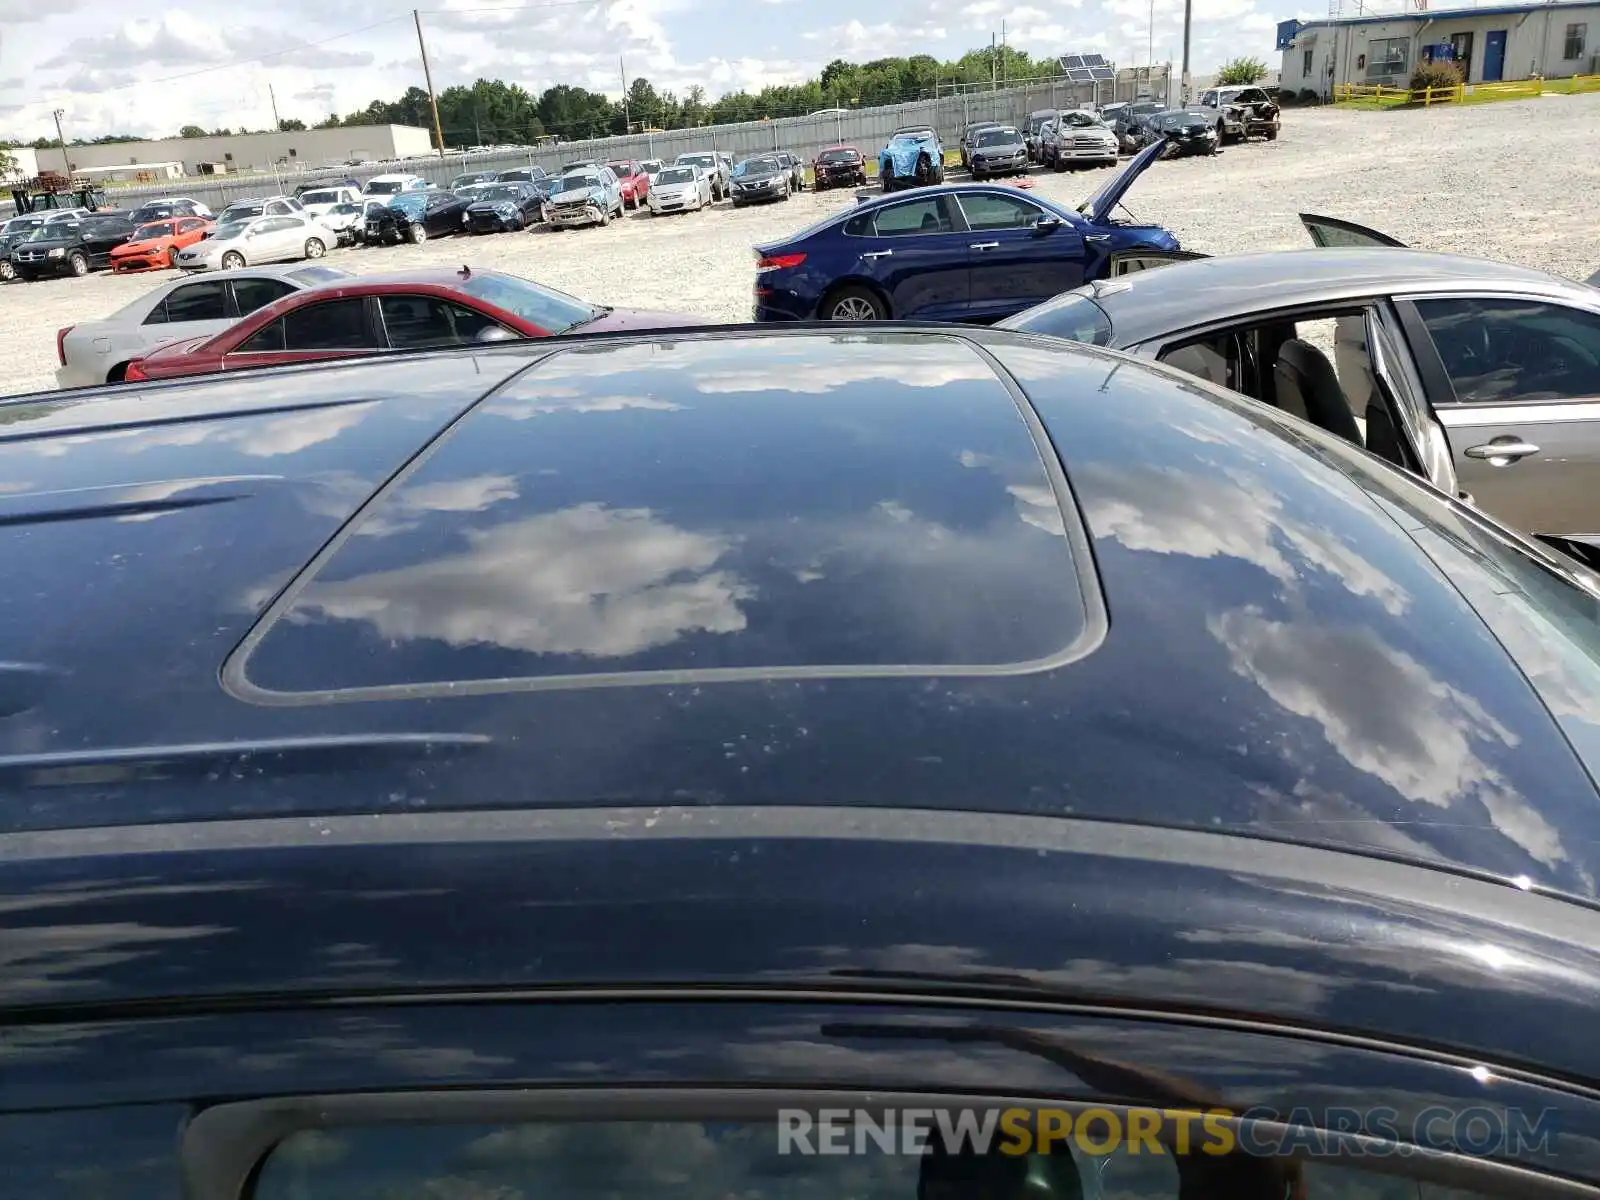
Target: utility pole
{"points": [[61, 140], [622, 69], [994, 66], [427, 75], [1188, 17], [1150, 52], [1003, 75], [273, 96]]}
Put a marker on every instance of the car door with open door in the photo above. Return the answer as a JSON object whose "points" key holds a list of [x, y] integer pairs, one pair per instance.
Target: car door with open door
{"points": [[1328, 232], [1019, 254], [1515, 382]]}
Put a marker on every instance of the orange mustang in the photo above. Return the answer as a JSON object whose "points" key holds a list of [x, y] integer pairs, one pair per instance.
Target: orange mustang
{"points": [[152, 247]]}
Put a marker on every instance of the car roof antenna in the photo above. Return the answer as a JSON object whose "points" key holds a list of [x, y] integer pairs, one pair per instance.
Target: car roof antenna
{"points": [[466, 271]]}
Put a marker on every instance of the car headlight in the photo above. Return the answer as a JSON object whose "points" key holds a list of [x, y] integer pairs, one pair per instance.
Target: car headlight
{"points": [[505, 210], [58, 252]]}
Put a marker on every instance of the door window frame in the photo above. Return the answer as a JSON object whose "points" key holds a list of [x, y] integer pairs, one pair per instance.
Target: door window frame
{"points": [[373, 326], [952, 215], [1431, 364], [375, 306], [1027, 202], [229, 309], [1378, 308]]}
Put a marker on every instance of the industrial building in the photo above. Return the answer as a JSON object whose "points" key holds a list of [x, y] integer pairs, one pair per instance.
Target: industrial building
{"points": [[303, 149], [1490, 43], [26, 164]]}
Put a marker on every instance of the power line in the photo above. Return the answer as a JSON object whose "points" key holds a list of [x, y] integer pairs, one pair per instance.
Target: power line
{"points": [[245, 62]]}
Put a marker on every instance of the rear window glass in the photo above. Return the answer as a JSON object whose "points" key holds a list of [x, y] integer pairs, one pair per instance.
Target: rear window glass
{"points": [[653, 514], [1070, 315]]}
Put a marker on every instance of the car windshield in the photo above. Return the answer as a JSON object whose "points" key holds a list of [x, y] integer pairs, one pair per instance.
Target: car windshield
{"points": [[550, 310], [21, 225], [1039, 121], [157, 230], [832, 156], [410, 203], [505, 191], [574, 183], [652, 166], [913, 135], [670, 175], [343, 210], [49, 232], [623, 170], [699, 160], [1071, 315], [1143, 108], [322, 197], [1080, 120], [998, 137], [757, 166], [384, 187]]}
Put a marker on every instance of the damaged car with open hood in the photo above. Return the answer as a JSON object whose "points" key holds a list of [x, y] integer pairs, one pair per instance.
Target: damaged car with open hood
{"points": [[961, 252]]}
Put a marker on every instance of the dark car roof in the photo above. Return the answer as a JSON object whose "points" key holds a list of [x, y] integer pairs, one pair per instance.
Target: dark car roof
{"points": [[450, 657], [1152, 304]]}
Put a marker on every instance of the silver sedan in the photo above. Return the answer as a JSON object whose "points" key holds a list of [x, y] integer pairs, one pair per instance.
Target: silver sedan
{"points": [[680, 189]]}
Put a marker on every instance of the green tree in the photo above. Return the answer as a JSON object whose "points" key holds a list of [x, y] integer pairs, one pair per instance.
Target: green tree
{"points": [[1242, 70], [8, 161], [291, 125], [331, 121], [191, 131]]}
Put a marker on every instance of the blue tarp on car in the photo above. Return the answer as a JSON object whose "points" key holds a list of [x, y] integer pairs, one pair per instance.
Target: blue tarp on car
{"points": [[902, 152]]}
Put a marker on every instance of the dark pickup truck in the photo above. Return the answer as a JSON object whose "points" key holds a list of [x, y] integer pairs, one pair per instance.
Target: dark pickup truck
{"points": [[71, 247]]}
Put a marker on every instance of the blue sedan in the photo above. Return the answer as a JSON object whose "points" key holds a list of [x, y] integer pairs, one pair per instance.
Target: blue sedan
{"points": [[960, 252]]}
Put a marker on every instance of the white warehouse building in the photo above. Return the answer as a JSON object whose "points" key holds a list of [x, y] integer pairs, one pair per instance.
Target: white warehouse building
{"points": [[302, 149], [1493, 42]]}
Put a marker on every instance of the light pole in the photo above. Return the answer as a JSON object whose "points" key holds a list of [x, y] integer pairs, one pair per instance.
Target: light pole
{"points": [[61, 140], [1188, 16]]}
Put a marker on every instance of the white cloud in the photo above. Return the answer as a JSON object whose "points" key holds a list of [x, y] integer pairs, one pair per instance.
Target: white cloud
{"points": [[114, 67], [587, 580]]}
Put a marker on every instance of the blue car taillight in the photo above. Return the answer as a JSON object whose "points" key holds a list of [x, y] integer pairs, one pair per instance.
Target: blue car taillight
{"points": [[778, 262]]}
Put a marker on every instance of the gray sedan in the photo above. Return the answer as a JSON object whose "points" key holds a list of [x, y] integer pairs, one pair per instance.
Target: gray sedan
{"points": [[1483, 378]]}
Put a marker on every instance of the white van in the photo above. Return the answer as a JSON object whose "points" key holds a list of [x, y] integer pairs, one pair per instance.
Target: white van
{"points": [[393, 185]]}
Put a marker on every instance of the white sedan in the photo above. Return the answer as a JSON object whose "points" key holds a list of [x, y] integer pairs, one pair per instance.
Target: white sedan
{"points": [[97, 352], [683, 188], [262, 240]]}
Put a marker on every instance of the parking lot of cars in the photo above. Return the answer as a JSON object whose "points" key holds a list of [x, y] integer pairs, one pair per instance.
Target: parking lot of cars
{"points": [[1532, 207]]}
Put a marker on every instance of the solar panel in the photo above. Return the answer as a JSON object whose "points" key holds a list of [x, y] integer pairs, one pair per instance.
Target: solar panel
{"points": [[1086, 68]]}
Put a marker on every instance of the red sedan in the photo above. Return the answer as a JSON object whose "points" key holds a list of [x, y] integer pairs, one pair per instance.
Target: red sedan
{"points": [[417, 310], [633, 180]]}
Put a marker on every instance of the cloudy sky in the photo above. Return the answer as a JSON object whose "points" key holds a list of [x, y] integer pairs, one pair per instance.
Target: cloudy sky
{"points": [[151, 66]]}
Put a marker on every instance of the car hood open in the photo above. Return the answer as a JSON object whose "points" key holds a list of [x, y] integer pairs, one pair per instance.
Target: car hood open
{"points": [[1099, 205]]}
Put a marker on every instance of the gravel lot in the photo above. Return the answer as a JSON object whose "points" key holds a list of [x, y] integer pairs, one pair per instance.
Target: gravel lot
{"points": [[1513, 181]]}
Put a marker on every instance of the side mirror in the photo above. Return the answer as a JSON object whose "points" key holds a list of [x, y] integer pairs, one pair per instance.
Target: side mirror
{"points": [[1046, 225], [495, 333]]}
